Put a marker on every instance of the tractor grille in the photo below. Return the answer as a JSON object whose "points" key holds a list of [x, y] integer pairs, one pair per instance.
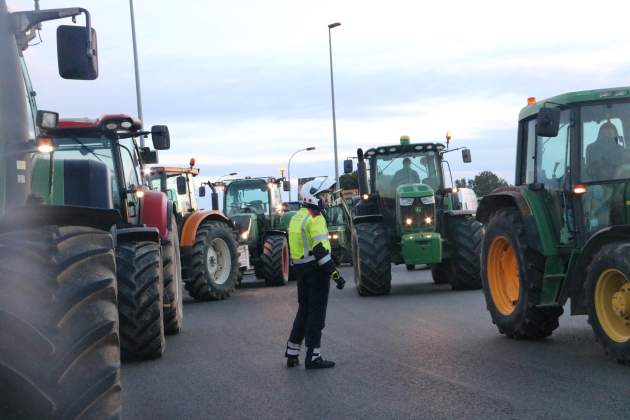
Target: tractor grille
{"points": [[418, 213]]}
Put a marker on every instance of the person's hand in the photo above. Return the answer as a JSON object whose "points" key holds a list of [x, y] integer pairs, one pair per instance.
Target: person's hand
{"points": [[338, 279]]}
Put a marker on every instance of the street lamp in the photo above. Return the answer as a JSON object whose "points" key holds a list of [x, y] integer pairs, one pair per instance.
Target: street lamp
{"points": [[332, 93], [308, 149], [230, 174], [135, 66]]}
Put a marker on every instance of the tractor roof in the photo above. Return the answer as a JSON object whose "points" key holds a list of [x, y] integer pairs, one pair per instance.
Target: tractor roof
{"points": [[404, 148], [576, 97], [174, 170], [109, 122]]}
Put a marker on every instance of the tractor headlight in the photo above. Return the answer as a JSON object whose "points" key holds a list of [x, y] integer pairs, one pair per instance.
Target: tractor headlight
{"points": [[428, 220], [405, 202], [408, 221], [335, 236], [428, 200], [244, 235]]}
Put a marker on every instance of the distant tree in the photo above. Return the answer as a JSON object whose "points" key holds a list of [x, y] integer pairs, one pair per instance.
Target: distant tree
{"points": [[485, 182], [462, 183], [349, 181]]}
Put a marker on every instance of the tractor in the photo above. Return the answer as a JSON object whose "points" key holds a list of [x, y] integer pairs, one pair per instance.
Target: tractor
{"points": [[97, 163], [339, 233], [59, 334], [563, 231], [255, 205], [209, 254], [406, 215]]}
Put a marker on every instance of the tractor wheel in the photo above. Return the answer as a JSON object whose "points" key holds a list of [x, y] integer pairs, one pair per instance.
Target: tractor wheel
{"points": [[410, 267], [512, 275], [607, 291], [372, 266], [214, 264], [275, 260], [140, 300], [441, 273], [466, 235], [172, 269], [59, 343]]}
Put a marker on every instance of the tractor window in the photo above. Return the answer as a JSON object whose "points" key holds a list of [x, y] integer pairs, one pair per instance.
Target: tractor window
{"points": [[606, 153], [530, 153], [247, 197], [129, 162], [391, 171], [183, 200], [335, 216], [552, 154]]}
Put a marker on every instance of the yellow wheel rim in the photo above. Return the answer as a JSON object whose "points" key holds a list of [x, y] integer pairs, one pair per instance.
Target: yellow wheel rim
{"points": [[503, 278], [612, 304]]}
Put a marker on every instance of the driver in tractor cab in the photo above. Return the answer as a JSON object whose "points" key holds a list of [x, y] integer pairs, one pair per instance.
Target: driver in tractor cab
{"points": [[605, 155], [314, 268], [406, 175]]}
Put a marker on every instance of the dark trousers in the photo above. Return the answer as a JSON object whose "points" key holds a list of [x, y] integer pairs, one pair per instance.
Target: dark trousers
{"points": [[312, 286]]}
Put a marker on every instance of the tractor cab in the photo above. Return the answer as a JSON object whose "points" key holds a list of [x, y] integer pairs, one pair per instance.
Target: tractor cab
{"points": [[178, 184], [95, 163]]}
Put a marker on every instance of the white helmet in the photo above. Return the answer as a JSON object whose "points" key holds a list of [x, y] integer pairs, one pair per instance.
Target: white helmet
{"points": [[311, 190]]}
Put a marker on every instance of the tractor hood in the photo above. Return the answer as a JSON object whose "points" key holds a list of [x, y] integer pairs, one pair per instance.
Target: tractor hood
{"points": [[247, 227]]}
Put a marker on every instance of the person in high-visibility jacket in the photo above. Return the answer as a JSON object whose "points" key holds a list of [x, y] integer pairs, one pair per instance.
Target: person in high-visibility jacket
{"points": [[313, 267]]}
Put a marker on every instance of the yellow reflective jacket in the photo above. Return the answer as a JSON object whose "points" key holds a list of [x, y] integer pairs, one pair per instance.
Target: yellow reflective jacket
{"points": [[306, 230]]}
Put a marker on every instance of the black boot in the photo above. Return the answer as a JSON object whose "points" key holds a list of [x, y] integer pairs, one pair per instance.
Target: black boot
{"points": [[293, 350], [293, 361], [315, 361]]}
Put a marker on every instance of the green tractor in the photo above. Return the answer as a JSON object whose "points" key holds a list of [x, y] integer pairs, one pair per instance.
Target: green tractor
{"points": [[563, 232], [406, 215], [255, 206], [339, 232]]}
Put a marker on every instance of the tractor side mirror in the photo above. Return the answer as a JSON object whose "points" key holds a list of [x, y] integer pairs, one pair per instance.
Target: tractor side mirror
{"points": [[286, 185], [181, 185], [161, 137], [202, 191], [347, 166], [548, 122], [148, 156], [46, 119], [466, 157], [77, 54]]}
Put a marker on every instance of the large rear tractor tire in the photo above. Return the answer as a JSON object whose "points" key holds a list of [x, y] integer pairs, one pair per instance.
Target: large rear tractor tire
{"points": [[59, 343], [214, 267], [372, 264], [140, 300], [441, 273], [607, 291], [512, 275], [275, 260], [466, 235], [172, 268]]}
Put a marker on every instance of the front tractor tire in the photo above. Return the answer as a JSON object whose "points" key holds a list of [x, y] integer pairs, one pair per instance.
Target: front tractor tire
{"points": [[512, 275], [371, 259], [140, 300], [464, 270], [275, 260], [59, 342], [441, 272], [607, 291], [213, 270], [172, 268]]}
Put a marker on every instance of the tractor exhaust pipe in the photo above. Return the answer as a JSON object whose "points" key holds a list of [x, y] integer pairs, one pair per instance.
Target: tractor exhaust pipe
{"points": [[215, 200], [362, 174]]}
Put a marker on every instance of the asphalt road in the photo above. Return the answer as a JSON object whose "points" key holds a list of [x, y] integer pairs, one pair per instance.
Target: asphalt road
{"points": [[421, 352]]}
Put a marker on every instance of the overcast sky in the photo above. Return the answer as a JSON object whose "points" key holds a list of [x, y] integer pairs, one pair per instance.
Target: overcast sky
{"points": [[243, 84]]}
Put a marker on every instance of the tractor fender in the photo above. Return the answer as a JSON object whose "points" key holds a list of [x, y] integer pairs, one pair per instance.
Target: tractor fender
{"points": [[136, 234], [273, 232], [170, 211], [30, 215], [514, 197], [574, 286], [153, 211], [192, 223], [501, 198]]}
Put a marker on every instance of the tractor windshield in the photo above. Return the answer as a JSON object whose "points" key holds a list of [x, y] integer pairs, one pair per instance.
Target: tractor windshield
{"points": [[247, 196], [335, 216], [391, 171], [606, 152], [48, 180]]}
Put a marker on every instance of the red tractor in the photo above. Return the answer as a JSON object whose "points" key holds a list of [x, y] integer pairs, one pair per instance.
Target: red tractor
{"points": [[96, 166]]}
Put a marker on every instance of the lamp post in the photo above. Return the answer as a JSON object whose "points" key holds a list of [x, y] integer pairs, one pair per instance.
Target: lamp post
{"points": [[308, 149], [135, 66], [332, 94]]}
